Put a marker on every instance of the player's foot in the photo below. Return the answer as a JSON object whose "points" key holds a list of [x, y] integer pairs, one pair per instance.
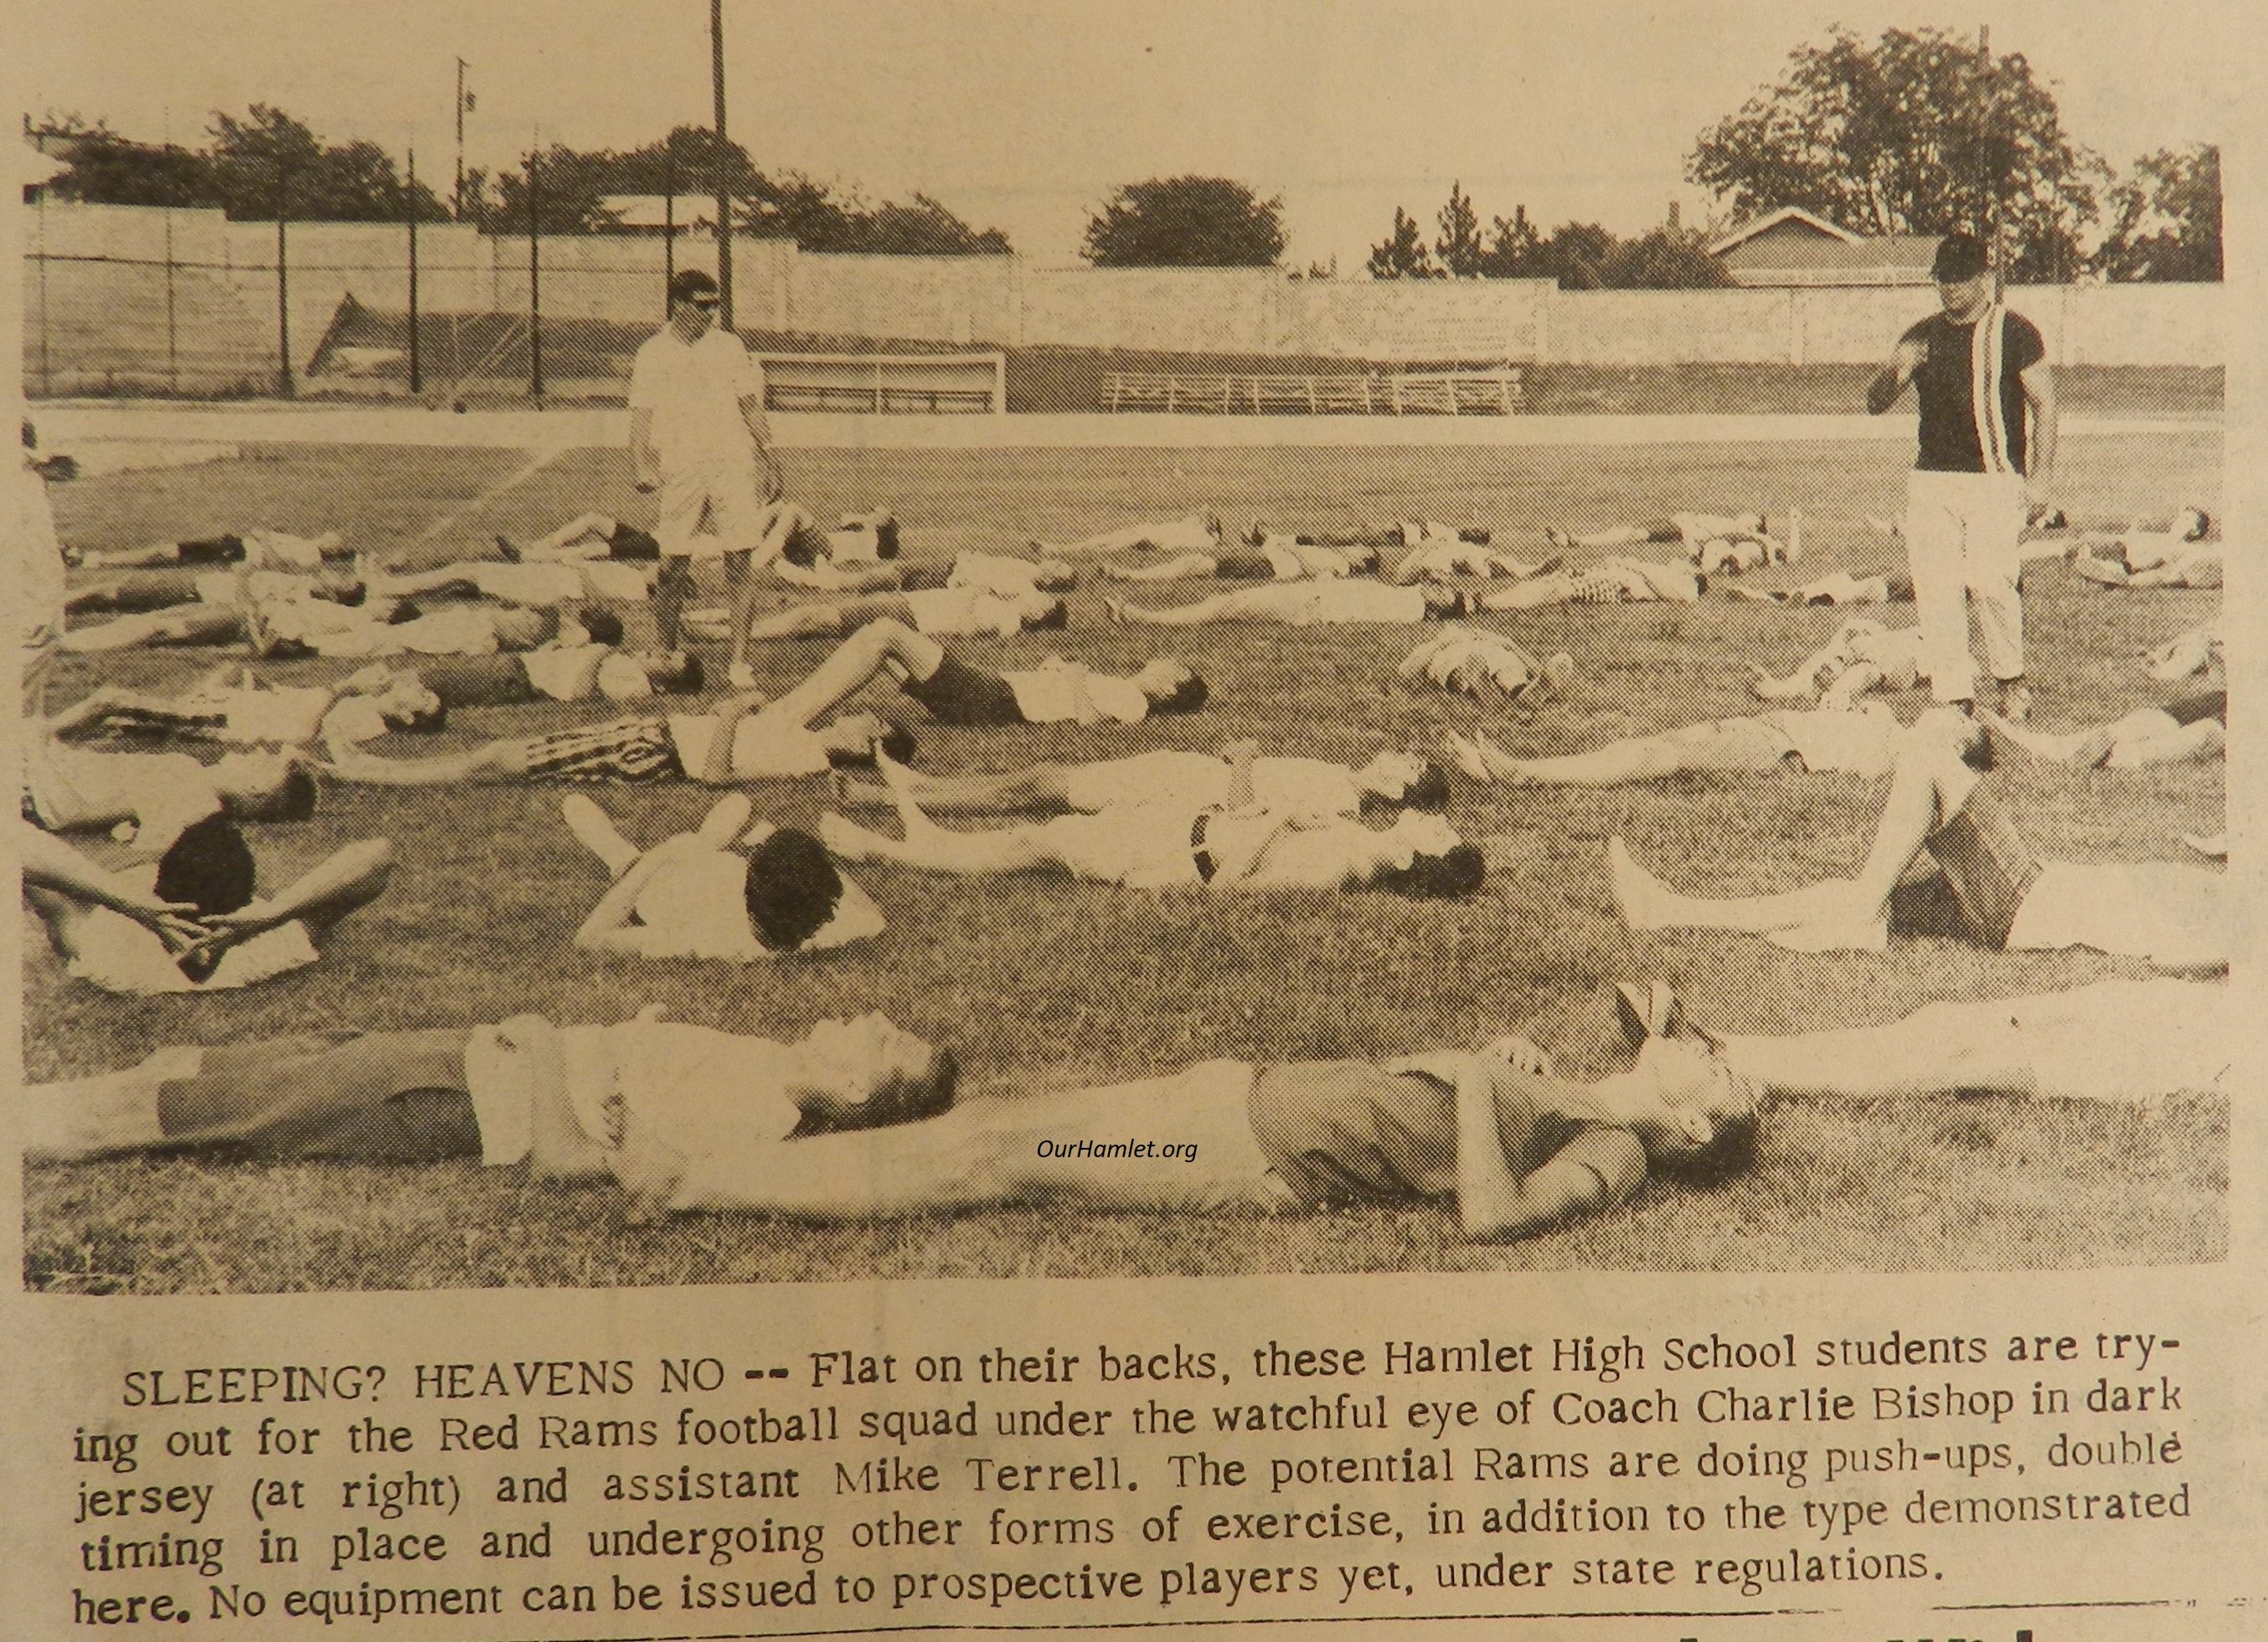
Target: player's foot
{"points": [[2015, 701], [1501, 765], [1558, 538], [740, 676], [1115, 609], [1550, 679], [1467, 757], [2214, 844], [1638, 895], [1255, 532]]}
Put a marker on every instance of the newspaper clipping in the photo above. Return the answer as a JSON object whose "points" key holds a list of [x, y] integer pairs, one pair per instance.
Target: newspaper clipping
{"points": [[954, 815]]}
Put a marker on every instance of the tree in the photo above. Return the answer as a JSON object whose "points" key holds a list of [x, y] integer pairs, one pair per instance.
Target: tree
{"points": [[1662, 258], [1404, 254], [1517, 250], [2165, 218], [1917, 133], [1459, 247], [269, 161], [1186, 222], [107, 169]]}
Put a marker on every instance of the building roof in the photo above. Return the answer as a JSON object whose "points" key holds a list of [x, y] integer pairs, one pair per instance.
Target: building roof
{"points": [[1794, 247]]}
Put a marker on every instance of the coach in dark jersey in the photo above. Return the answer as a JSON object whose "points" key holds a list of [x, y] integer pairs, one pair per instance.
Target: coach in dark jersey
{"points": [[1988, 436]]}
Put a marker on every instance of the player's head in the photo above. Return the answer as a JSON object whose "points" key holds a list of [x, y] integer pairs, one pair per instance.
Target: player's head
{"points": [[866, 1074], [209, 866], [1443, 604], [693, 300], [1700, 1120], [679, 672], [264, 786], [791, 889], [1441, 866], [1042, 611], [1172, 685], [853, 737], [600, 627], [1403, 781], [1054, 576], [406, 703], [1959, 268]]}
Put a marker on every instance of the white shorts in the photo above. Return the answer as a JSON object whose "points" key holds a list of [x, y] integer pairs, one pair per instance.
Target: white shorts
{"points": [[710, 509]]}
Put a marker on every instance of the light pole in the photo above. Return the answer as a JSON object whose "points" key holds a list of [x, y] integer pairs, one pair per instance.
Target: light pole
{"points": [[723, 190]]}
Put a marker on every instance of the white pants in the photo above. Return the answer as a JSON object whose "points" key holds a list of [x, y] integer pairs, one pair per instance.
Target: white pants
{"points": [[1962, 542]]}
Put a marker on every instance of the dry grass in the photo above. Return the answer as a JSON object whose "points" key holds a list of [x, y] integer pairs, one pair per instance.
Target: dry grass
{"points": [[1038, 979]]}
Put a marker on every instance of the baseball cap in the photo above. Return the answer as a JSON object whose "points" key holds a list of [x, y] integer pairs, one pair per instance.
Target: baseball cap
{"points": [[1959, 256]]}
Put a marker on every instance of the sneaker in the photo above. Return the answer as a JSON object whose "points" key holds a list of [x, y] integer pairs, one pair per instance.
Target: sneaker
{"points": [[1115, 609]]}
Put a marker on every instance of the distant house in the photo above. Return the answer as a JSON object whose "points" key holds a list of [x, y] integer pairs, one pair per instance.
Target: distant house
{"points": [[694, 215], [1791, 246]]}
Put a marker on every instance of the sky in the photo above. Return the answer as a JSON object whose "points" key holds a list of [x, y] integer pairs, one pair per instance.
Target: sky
{"points": [[1026, 114]]}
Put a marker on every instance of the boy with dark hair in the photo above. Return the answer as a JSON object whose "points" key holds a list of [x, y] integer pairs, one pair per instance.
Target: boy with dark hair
{"points": [[1987, 447], [690, 896], [216, 933]]}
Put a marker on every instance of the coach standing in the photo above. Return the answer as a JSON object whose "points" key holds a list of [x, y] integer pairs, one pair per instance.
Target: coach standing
{"points": [[1986, 395], [697, 432]]}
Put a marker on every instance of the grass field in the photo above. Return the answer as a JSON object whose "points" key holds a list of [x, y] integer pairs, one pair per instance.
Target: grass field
{"points": [[1040, 980]]}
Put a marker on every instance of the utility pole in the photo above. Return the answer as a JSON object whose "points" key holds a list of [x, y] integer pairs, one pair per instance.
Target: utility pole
{"points": [[723, 189], [1985, 160], [282, 289], [534, 281], [668, 218], [457, 200], [416, 375]]}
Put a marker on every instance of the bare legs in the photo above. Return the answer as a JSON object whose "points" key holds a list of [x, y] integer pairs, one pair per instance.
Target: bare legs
{"points": [[1722, 745], [930, 847]]}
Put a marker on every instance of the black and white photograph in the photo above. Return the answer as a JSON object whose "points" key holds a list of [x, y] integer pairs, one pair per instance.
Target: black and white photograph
{"points": [[741, 644]]}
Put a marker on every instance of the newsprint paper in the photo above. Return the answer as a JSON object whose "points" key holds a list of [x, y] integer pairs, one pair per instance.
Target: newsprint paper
{"points": [[1213, 844]]}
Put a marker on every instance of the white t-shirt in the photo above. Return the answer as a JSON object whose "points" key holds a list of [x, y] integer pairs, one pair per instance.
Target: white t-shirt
{"points": [[566, 672], [966, 612], [765, 745], [1856, 741], [2174, 914], [695, 906], [539, 584], [1199, 781], [994, 573], [694, 394], [671, 1092], [162, 792], [40, 575], [1065, 692], [289, 716], [1333, 603]]}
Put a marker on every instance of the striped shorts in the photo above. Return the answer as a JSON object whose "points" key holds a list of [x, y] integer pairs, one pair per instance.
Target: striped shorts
{"points": [[627, 749]]}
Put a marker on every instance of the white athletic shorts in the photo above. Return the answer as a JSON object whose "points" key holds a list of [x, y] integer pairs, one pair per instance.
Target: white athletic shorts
{"points": [[711, 508]]}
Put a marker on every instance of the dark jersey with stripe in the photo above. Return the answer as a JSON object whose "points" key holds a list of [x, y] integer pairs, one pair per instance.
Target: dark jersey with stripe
{"points": [[1950, 441]]}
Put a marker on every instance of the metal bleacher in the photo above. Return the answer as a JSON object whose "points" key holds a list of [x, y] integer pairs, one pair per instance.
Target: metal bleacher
{"points": [[1496, 392]]}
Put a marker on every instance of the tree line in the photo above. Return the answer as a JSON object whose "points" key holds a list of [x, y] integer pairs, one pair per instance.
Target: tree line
{"points": [[1917, 132], [268, 162]]}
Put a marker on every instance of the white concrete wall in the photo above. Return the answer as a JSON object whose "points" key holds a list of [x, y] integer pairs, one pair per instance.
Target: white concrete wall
{"points": [[1007, 301]]}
